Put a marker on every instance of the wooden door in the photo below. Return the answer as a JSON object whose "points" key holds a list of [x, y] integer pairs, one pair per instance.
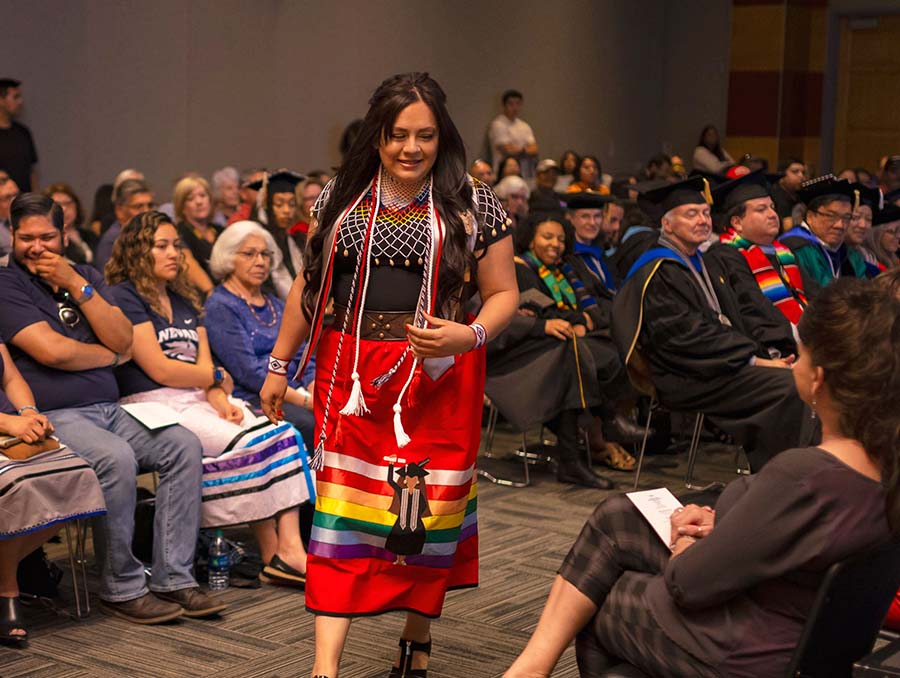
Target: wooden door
{"points": [[867, 124]]}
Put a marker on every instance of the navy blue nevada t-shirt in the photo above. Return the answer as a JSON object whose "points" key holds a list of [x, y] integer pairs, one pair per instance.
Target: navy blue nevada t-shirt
{"points": [[178, 340]]}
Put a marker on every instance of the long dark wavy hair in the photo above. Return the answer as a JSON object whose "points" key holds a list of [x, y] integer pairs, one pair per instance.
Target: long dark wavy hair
{"points": [[451, 190], [132, 259], [852, 331]]}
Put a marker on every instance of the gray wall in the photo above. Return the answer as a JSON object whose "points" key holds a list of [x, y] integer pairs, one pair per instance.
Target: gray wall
{"points": [[169, 86]]}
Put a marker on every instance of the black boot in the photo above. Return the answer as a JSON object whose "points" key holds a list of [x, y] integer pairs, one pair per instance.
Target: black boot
{"points": [[571, 465], [621, 429]]}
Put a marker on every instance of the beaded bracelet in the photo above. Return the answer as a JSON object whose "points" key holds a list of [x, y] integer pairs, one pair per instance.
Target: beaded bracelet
{"points": [[27, 407], [480, 335], [278, 366]]}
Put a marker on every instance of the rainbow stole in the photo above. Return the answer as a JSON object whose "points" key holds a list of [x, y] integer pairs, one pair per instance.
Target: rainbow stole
{"points": [[790, 301]]}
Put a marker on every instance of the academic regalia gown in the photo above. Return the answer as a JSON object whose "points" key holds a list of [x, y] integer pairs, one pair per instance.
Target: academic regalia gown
{"points": [[532, 377], [699, 364], [767, 324], [631, 249], [814, 264]]}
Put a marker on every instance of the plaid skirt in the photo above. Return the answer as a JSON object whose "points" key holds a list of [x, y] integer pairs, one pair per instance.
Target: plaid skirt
{"points": [[613, 560]]}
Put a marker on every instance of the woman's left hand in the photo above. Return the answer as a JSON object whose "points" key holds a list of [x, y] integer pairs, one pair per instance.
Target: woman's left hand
{"points": [[226, 409], [442, 338]]}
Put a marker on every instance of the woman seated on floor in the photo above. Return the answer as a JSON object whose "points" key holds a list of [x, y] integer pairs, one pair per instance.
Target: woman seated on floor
{"points": [[554, 363], [38, 490], [729, 596], [172, 364], [243, 321]]}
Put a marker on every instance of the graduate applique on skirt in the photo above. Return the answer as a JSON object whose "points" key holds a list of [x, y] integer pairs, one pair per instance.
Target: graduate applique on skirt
{"points": [[395, 528]]}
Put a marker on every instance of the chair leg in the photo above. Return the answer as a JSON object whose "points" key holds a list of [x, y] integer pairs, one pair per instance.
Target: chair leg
{"points": [[497, 480], [74, 547], [493, 414], [741, 469], [640, 462], [692, 453]]}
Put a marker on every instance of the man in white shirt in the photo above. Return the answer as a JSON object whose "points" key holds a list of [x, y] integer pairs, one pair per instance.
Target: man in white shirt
{"points": [[509, 135]]}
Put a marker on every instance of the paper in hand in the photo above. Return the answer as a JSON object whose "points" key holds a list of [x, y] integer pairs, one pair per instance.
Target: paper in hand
{"points": [[657, 507]]}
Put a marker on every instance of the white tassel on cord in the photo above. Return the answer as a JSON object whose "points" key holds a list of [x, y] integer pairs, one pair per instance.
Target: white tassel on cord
{"points": [[356, 404], [399, 433]]}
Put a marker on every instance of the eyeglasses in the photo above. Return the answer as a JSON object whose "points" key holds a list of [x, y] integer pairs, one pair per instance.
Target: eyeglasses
{"points": [[832, 218], [250, 255]]}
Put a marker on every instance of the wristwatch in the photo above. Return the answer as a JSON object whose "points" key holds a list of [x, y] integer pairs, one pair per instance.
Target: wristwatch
{"points": [[87, 293], [218, 376]]}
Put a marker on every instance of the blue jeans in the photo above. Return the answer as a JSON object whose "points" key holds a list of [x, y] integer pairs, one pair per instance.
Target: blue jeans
{"points": [[117, 446]]}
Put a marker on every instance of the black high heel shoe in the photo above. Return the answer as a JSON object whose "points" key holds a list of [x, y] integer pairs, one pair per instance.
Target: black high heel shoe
{"points": [[11, 619], [405, 670]]}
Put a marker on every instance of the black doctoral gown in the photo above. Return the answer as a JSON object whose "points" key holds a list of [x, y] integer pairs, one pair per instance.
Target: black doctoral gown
{"points": [[699, 364]]}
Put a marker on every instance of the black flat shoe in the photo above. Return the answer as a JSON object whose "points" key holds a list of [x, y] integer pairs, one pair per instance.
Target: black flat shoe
{"points": [[405, 670], [11, 619], [279, 572], [575, 473]]}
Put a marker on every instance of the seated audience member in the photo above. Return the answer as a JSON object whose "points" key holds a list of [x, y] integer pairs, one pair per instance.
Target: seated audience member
{"points": [[248, 195], [613, 215], [679, 171], [102, 212], [784, 192], [278, 214], [242, 320], [41, 489], [658, 168], [762, 272], [508, 167], [556, 359], [193, 212], [585, 211], [8, 191], [483, 171], [172, 364], [709, 156], [132, 197], [848, 174], [867, 202], [730, 594], [889, 177], [79, 247], [226, 195], [680, 317], [65, 337], [568, 161], [624, 187], [514, 193], [818, 242], [544, 197], [880, 248], [588, 176], [308, 193]]}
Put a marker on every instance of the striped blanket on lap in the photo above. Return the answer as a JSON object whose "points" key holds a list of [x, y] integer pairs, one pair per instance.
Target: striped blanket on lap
{"points": [[262, 472]]}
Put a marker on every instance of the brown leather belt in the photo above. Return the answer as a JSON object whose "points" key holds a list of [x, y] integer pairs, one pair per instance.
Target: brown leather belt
{"points": [[377, 325]]}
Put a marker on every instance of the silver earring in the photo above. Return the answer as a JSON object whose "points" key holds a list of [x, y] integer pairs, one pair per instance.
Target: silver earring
{"points": [[812, 406]]}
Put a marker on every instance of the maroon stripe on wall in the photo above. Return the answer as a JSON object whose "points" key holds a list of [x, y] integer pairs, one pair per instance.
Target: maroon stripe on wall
{"points": [[753, 103], [801, 104]]}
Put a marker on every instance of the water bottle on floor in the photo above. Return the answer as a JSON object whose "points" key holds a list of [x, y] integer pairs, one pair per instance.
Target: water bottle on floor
{"points": [[219, 563]]}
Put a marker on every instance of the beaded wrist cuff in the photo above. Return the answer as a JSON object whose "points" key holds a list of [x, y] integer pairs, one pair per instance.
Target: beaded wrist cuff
{"points": [[277, 366], [480, 335]]}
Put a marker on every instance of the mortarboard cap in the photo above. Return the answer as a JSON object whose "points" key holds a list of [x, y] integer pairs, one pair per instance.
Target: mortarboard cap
{"points": [[866, 195], [889, 214], [733, 193], [279, 181], [656, 201], [585, 200], [827, 186]]}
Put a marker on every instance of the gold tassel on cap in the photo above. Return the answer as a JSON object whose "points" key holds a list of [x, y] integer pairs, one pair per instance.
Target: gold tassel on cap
{"points": [[855, 199], [707, 194]]}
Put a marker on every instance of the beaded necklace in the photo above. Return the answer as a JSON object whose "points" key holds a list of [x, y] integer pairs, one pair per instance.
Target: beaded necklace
{"points": [[253, 311]]}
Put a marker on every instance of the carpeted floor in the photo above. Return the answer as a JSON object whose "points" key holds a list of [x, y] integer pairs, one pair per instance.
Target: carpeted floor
{"points": [[266, 632]]}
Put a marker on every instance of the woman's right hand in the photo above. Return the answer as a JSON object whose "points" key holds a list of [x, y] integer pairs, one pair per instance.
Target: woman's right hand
{"points": [[692, 521], [271, 396], [27, 429], [558, 328]]}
